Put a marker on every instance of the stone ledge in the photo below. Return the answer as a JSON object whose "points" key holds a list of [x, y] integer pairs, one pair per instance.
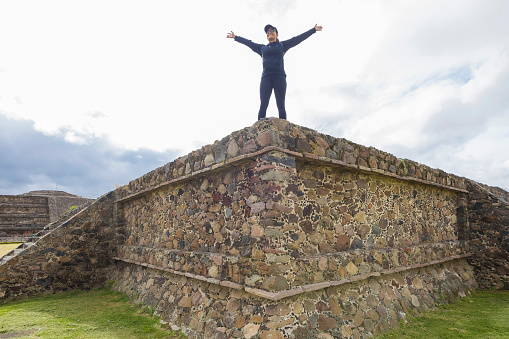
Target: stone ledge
{"points": [[218, 263], [307, 143], [310, 257], [308, 156], [275, 296]]}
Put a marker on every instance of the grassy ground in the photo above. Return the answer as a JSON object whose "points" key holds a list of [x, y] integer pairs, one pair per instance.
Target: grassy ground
{"points": [[108, 314], [79, 314], [6, 247], [483, 314]]}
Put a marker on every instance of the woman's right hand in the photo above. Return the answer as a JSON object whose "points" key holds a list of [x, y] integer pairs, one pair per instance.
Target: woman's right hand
{"points": [[231, 35]]}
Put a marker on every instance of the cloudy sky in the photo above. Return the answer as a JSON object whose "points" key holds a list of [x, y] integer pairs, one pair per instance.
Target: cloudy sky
{"points": [[94, 94]]}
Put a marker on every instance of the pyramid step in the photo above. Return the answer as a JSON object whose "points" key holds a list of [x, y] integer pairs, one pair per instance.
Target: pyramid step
{"points": [[17, 251], [6, 258]]}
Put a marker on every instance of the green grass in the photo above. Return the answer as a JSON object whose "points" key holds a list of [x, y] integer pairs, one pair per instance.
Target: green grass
{"points": [[484, 314], [79, 314], [108, 314]]}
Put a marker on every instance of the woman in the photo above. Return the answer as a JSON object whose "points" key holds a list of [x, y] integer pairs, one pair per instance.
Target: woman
{"points": [[273, 76]]}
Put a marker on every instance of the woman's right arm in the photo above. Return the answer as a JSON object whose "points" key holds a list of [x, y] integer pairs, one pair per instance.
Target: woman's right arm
{"points": [[257, 48]]}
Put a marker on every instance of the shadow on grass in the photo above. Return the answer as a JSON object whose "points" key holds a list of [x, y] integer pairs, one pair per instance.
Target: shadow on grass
{"points": [[79, 314]]}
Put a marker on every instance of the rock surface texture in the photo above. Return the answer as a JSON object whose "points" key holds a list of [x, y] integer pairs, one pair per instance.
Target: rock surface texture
{"points": [[279, 231], [74, 255], [489, 235], [275, 231]]}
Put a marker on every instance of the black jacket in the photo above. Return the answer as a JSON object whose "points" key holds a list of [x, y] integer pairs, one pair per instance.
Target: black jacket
{"points": [[273, 53]]}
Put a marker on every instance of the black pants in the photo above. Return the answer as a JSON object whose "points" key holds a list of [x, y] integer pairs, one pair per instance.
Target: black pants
{"points": [[278, 83]]}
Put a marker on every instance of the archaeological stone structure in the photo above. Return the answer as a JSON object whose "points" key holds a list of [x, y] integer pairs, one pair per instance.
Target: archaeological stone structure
{"points": [[489, 235], [23, 215], [278, 231]]}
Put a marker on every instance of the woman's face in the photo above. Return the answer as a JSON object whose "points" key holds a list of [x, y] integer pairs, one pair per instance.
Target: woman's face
{"points": [[271, 35]]}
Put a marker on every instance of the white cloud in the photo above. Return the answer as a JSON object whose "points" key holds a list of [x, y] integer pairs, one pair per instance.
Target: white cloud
{"points": [[484, 76]]}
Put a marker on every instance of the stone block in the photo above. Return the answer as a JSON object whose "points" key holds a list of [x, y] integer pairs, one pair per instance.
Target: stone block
{"points": [[275, 284], [271, 335], [250, 330], [342, 243], [326, 323], [233, 149]]}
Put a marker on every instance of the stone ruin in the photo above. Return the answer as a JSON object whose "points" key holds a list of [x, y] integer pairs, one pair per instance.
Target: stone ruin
{"points": [[278, 231], [23, 215]]}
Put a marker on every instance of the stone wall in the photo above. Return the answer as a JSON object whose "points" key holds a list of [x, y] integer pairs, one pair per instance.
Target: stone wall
{"points": [[275, 231], [59, 202], [24, 215], [270, 229], [74, 255], [300, 141], [351, 310], [21, 216], [273, 223], [489, 234]]}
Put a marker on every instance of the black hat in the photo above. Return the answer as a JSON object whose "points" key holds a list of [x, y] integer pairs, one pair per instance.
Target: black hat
{"points": [[268, 27]]}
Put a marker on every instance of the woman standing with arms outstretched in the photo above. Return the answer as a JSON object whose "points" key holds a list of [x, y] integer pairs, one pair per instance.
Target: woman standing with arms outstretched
{"points": [[273, 76]]}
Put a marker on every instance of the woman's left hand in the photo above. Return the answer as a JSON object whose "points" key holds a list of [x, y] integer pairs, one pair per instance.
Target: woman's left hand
{"points": [[318, 28]]}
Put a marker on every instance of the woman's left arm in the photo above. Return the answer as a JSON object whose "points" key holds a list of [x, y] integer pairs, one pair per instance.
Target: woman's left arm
{"points": [[300, 38]]}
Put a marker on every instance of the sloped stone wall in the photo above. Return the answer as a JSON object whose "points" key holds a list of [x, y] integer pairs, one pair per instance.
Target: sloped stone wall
{"points": [[351, 310], [248, 238], [489, 235], [75, 255], [273, 223], [274, 231], [300, 141]]}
